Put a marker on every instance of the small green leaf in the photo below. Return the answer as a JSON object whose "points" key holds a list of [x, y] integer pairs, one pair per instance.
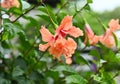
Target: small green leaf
{"points": [[25, 5], [45, 17], [80, 4], [4, 81], [17, 71], [23, 80], [77, 79], [97, 78], [15, 10], [66, 68], [95, 53], [89, 1], [10, 30], [80, 59]]}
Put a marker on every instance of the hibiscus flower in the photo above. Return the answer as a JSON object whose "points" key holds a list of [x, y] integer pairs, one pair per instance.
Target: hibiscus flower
{"points": [[108, 38], [57, 44], [10, 3], [63, 47], [90, 36], [114, 25], [66, 27]]}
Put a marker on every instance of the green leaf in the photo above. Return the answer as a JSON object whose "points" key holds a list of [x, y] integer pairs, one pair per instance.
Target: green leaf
{"points": [[32, 21], [45, 17], [95, 53], [17, 71], [23, 80], [10, 30], [89, 1], [118, 57], [97, 78], [25, 5], [35, 76], [107, 78], [15, 10], [20, 61], [52, 15], [77, 79], [53, 74], [80, 59], [66, 68], [42, 9], [80, 4], [4, 81]]}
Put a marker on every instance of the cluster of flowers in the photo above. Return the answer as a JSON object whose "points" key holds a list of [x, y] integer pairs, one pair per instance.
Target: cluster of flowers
{"points": [[107, 39], [59, 44]]}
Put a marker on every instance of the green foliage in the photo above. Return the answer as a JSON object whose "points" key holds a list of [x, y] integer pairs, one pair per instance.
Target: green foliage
{"points": [[21, 61], [76, 79]]}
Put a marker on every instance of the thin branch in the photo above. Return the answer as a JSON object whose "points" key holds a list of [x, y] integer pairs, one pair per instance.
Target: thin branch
{"points": [[49, 15], [80, 10], [24, 13]]}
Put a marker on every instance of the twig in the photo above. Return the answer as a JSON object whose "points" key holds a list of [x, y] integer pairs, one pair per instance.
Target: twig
{"points": [[24, 13], [80, 10]]}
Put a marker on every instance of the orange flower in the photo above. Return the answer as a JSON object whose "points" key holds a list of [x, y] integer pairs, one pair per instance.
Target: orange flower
{"points": [[46, 37], [114, 25], [66, 27], [108, 39], [10, 3], [90, 37], [57, 43], [63, 47]]}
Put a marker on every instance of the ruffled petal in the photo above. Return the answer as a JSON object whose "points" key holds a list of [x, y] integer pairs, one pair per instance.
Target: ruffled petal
{"points": [[57, 49], [68, 60], [10, 3], [43, 47], [69, 47], [66, 23], [108, 39], [46, 35], [114, 25], [75, 32]]}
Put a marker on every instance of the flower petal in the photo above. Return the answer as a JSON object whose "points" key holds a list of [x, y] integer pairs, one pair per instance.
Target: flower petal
{"points": [[108, 39], [57, 49], [95, 40], [89, 31], [114, 25], [69, 47], [68, 60], [66, 23], [43, 47], [10, 3], [46, 35], [75, 32]]}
